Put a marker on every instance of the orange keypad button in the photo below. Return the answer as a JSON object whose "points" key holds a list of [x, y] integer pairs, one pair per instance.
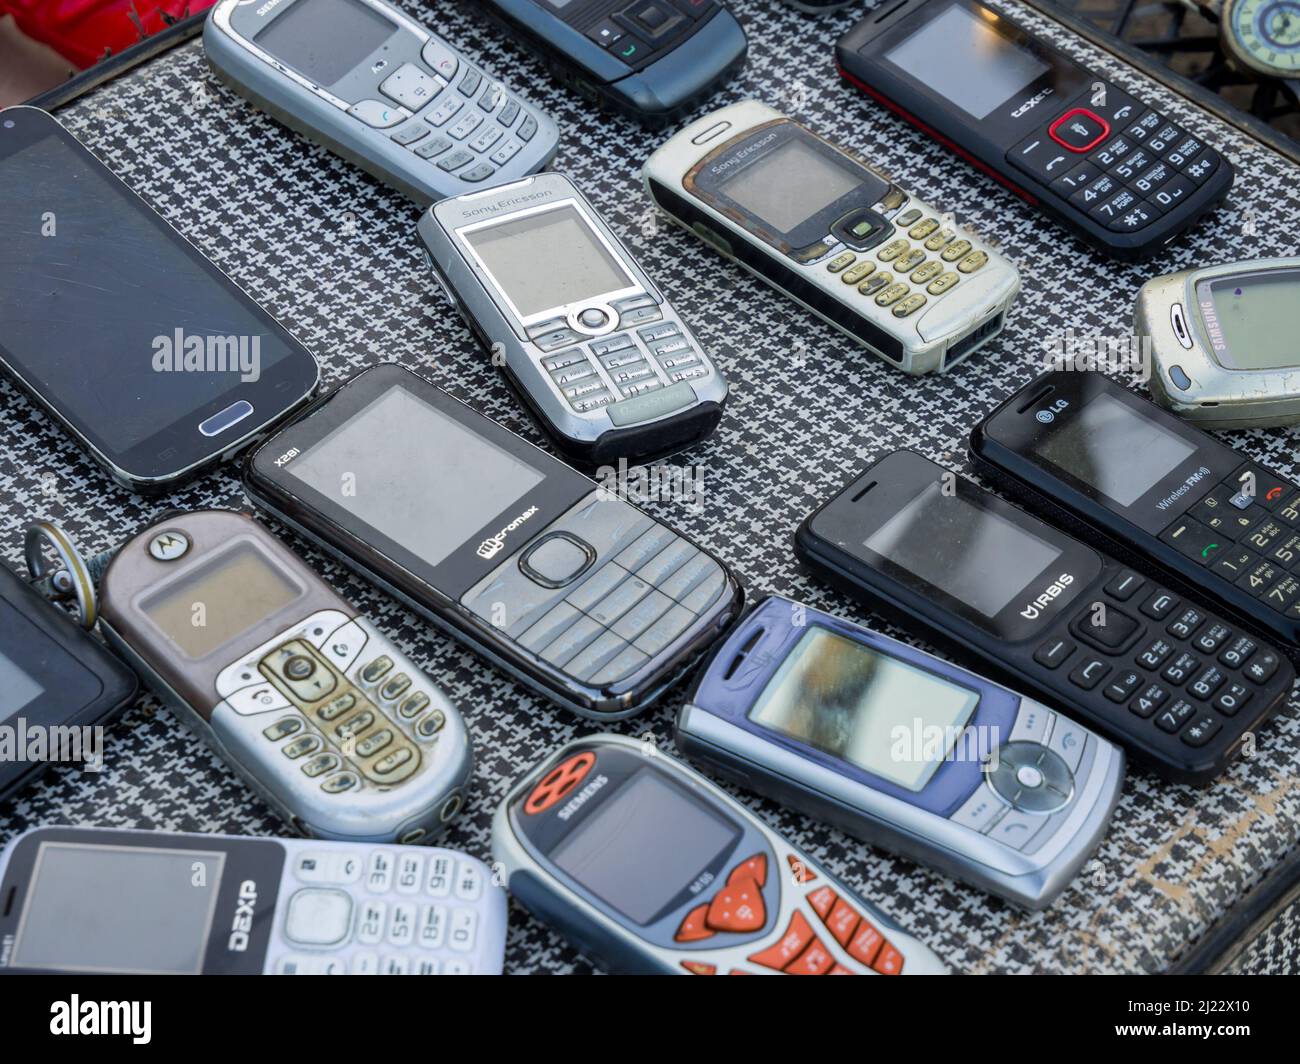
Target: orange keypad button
{"points": [[700, 968], [755, 868], [839, 969], [802, 873], [822, 899], [739, 971], [788, 946], [865, 944], [737, 907], [890, 961], [815, 960], [693, 929], [842, 922]]}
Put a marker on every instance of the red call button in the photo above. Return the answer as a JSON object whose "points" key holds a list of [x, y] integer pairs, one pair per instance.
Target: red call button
{"points": [[558, 783]]}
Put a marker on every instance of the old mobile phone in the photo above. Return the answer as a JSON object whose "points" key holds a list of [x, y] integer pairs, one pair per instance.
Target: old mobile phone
{"points": [[379, 89], [600, 356], [902, 749], [1225, 529], [834, 235], [651, 60], [584, 598], [150, 356], [1114, 171], [1224, 347], [649, 868], [1175, 684], [55, 680], [321, 714], [99, 900]]}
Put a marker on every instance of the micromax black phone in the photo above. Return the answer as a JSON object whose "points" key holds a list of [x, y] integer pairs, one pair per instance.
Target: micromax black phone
{"points": [[651, 869], [583, 597], [1174, 683], [651, 60], [109, 901], [606, 365], [1225, 529], [323, 716], [379, 89], [1113, 170], [57, 685], [1225, 352], [902, 749], [821, 227], [151, 357]]}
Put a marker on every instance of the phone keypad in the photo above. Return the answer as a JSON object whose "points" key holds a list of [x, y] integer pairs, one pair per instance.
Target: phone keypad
{"points": [[451, 115], [1249, 538], [933, 266], [1168, 661], [600, 610], [645, 354], [1119, 162], [391, 911]]}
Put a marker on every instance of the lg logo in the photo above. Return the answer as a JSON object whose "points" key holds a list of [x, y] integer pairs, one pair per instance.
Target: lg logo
{"points": [[1048, 414]]}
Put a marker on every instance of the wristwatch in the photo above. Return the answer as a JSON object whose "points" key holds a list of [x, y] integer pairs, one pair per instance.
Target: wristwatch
{"points": [[1261, 37]]}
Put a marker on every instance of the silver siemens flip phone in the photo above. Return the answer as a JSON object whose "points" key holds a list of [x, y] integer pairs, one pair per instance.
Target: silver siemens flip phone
{"points": [[380, 90], [1225, 350], [605, 363], [100, 900], [820, 226], [324, 717]]}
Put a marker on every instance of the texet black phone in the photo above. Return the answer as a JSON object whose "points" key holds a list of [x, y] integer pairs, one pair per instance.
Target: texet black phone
{"points": [[1224, 529], [1176, 684], [580, 595], [150, 356], [1113, 170]]}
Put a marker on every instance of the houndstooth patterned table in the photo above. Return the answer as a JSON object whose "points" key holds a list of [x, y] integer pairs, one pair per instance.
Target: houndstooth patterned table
{"points": [[334, 256]]}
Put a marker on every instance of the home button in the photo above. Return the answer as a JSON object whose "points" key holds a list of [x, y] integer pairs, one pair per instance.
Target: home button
{"points": [[223, 419], [556, 560]]}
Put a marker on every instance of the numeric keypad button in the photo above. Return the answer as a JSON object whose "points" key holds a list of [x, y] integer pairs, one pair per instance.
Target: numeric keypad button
{"points": [[1207, 682], [1238, 652], [379, 872], [1234, 563], [1261, 667], [1202, 730], [1181, 668], [1154, 655], [370, 922], [1178, 713], [1212, 638], [1150, 699], [441, 871], [1232, 698], [1119, 689], [1184, 626]]}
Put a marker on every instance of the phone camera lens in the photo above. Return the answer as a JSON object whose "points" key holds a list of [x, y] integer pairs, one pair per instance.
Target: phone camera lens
{"points": [[299, 668]]}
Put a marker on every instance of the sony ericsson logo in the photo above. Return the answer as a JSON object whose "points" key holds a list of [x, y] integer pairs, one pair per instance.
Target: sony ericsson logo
{"points": [[268, 7], [1054, 590], [491, 546], [500, 205], [1032, 102], [743, 154], [243, 922]]}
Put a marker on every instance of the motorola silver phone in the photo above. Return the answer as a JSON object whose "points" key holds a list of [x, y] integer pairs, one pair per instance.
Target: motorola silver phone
{"points": [[323, 716], [602, 359]]}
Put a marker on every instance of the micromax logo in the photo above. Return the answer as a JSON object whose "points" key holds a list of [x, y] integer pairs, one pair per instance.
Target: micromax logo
{"points": [[1053, 591], [491, 546]]}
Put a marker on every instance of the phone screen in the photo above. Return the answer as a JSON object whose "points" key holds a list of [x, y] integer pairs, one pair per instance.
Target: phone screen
{"points": [[125, 329]]}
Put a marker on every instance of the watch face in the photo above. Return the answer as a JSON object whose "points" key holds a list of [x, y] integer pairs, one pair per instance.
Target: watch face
{"points": [[1265, 35]]}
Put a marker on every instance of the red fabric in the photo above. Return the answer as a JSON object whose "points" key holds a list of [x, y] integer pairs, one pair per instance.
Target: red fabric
{"points": [[84, 31]]}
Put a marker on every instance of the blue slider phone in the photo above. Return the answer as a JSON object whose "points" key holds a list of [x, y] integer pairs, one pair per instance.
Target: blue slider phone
{"points": [[903, 750]]}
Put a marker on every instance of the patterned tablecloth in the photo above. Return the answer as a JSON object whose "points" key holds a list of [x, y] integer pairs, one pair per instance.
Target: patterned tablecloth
{"points": [[334, 255]]}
